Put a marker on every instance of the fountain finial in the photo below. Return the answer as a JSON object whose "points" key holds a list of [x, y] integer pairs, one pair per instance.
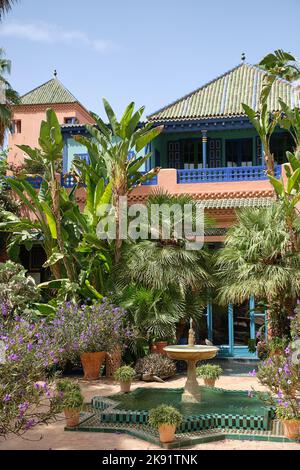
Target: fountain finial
{"points": [[191, 335]]}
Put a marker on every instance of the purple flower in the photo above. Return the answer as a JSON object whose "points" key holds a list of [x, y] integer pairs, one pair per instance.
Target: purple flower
{"points": [[13, 357], [258, 334], [253, 373], [7, 398], [30, 423]]}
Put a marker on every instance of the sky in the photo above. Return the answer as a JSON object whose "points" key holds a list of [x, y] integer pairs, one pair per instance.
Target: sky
{"points": [[150, 52]]}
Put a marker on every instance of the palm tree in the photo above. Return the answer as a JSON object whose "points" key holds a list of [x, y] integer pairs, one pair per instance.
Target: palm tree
{"points": [[9, 96], [5, 6], [161, 281], [258, 260]]}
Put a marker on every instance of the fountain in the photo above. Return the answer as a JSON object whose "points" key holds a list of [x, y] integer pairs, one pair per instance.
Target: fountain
{"points": [[192, 354]]}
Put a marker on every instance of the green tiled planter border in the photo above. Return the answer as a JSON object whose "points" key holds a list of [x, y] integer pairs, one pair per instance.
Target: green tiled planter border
{"points": [[111, 414]]}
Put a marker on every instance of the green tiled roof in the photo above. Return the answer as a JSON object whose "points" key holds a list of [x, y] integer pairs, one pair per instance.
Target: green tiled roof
{"points": [[52, 92], [237, 203], [223, 97]]}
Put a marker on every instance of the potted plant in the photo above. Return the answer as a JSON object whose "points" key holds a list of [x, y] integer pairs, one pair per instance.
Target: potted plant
{"points": [[210, 373], [71, 400], [166, 419], [289, 414], [125, 375], [89, 332], [158, 345]]}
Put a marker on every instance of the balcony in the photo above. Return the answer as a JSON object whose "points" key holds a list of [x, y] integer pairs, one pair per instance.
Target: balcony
{"points": [[219, 175]]}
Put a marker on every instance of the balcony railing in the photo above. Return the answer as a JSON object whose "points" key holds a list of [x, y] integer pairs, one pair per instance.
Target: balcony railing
{"points": [[217, 175]]}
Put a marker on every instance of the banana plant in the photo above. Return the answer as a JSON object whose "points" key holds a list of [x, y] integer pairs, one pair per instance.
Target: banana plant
{"points": [[278, 64], [288, 192], [118, 146]]}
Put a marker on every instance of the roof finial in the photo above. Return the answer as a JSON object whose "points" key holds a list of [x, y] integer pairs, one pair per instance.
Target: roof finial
{"points": [[243, 57], [55, 73]]}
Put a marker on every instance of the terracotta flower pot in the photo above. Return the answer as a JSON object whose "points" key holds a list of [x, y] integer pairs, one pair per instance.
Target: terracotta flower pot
{"points": [[291, 428], [113, 361], [158, 347], [125, 387], [167, 433], [72, 417], [210, 382], [91, 363]]}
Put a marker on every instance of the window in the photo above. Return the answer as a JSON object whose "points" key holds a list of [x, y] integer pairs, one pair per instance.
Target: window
{"points": [[186, 153], [17, 127], [280, 144], [71, 120], [239, 152]]}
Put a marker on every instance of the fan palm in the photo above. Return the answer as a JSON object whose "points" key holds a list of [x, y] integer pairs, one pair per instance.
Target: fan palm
{"points": [[9, 96], [5, 6], [167, 282], [258, 260]]}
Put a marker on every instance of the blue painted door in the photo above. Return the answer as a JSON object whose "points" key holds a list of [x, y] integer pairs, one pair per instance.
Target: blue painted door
{"points": [[230, 328]]}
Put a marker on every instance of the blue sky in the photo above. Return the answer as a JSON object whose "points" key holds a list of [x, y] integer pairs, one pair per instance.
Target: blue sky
{"points": [[151, 52]]}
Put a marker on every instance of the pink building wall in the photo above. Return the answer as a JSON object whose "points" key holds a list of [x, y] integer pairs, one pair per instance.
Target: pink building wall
{"points": [[31, 117]]}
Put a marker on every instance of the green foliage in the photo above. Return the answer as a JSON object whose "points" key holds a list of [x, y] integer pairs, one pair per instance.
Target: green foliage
{"points": [[11, 96], [116, 148], [208, 371], [164, 414], [124, 374], [17, 291], [155, 365], [71, 396]]}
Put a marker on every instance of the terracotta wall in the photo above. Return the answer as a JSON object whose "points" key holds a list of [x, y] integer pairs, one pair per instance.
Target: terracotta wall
{"points": [[31, 118]]}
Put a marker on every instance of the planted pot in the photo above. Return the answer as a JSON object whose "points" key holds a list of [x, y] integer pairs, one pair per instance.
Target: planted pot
{"points": [[167, 433], [92, 363], [158, 347], [72, 416], [210, 382], [291, 428], [125, 386]]}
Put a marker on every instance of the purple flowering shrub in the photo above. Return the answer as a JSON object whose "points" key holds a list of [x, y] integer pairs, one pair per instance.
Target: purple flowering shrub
{"points": [[17, 291], [77, 329], [27, 392], [281, 375]]}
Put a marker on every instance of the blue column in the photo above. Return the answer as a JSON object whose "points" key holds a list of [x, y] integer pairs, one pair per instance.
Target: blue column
{"points": [[252, 317], [65, 156], [209, 321], [230, 329], [204, 148]]}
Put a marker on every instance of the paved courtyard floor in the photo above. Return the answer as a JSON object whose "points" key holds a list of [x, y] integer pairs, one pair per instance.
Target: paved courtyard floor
{"points": [[53, 437]]}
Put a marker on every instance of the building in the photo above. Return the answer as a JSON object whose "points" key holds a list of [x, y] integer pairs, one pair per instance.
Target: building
{"points": [[27, 116], [210, 150]]}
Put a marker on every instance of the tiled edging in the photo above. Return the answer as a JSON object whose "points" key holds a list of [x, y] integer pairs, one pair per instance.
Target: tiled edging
{"points": [[109, 413]]}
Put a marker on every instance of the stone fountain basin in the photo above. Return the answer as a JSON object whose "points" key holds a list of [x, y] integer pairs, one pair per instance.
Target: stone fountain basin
{"points": [[188, 353]]}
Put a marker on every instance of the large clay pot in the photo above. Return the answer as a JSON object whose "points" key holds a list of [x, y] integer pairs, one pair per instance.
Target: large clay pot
{"points": [[113, 361], [91, 363], [210, 382], [125, 387], [72, 417], [167, 433], [159, 347], [291, 428]]}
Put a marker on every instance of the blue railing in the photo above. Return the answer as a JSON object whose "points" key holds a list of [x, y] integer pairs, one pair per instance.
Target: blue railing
{"points": [[214, 175]]}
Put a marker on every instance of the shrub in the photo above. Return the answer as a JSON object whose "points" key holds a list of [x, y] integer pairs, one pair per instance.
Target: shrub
{"points": [[17, 291], [124, 374], [70, 394], [79, 329], [208, 371], [156, 365], [164, 414], [27, 389]]}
